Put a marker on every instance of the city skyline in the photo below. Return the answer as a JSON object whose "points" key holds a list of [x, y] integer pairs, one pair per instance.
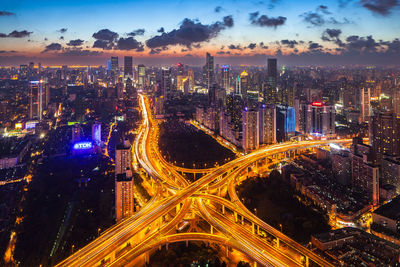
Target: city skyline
{"points": [[313, 33]]}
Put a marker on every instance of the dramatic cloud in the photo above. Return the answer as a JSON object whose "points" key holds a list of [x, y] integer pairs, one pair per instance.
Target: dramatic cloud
{"points": [[105, 35], [324, 9], [223, 53], [381, 7], [265, 21], [161, 30], [190, 32], [252, 46], [313, 18], [289, 43], [63, 30], [16, 34], [218, 9], [52, 47], [104, 39], [129, 44], [313, 46], [136, 32], [361, 44], [155, 51], [4, 51], [332, 35], [263, 46], [234, 47], [61, 37], [77, 52], [6, 13], [77, 42]]}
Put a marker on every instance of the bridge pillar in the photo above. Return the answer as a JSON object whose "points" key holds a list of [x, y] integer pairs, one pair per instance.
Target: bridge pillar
{"points": [[242, 219], [212, 230], [146, 258], [223, 209], [258, 229], [253, 228], [219, 191], [307, 261], [277, 242], [112, 257], [236, 217], [227, 251], [178, 207], [255, 264]]}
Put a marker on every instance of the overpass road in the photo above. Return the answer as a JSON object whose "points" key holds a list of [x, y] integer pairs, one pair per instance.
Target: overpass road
{"points": [[175, 199]]}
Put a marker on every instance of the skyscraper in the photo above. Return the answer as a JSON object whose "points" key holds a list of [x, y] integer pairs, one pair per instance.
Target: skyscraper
{"points": [[225, 78], [267, 126], [39, 97], [365, 104], [250, 128], [96, 133], [114, 69], [23, 72], [141, 76], [165, 85], [384, 134], [272, 75], [208, 71], [124, 201], [128, 71]]}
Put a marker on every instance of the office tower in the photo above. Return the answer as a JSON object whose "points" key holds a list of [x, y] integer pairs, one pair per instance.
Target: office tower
{"points": [[390, 169], [114, 69], [225, 78], [317, 119], [39, 98], [250, 129], [244, 84], [384, 134], [96, 133], [272, 74], [285, 123], [141, 76], [124, 201], [267, 125], [191, 79], [365, 104], [128, 71], [23, 72], [39, 68], [180, 69], [76, 133], [365, 174], [120, 88], [165, 84], [208, 71], [396, 101]]}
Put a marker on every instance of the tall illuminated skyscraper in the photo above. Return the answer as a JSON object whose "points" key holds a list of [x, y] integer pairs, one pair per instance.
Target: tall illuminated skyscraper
{"points": [[272, 72], [250, 139], [225, 77], [114, 69], [96, 133], [267, 125], [128, 71], [124, 200], [208, 71], [141, 76], [39, 98], [165, 85]]}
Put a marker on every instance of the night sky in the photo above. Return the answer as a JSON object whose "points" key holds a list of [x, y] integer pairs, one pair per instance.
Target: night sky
{"points": [[237, 32]]}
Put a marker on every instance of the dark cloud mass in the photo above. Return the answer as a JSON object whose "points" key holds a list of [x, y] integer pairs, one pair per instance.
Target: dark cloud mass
{"points": [[313, 18], [52, 47], [63, 30], [218, 9], [252, 46], [78, 52], [105, 35], [137, 32], [332, 35], [289, 43], [381, 7], [129, 44], [4, 51], [190, 32], [16, 34], [161, 30], [77, 42], [234, 47], [313, 46], [265, 21], [103, 44], [6, 13]]}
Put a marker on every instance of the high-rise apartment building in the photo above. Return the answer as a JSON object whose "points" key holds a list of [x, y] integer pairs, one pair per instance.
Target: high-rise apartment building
{"points": [[250, 128], [39, 98], [225, 78], [267, 125], [141, 76], [166, 83], [124, 199], [208, 71], [128, 68]]}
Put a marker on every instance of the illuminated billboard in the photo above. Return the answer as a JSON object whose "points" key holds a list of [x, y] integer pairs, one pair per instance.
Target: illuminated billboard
{"points": [[83, 145]]}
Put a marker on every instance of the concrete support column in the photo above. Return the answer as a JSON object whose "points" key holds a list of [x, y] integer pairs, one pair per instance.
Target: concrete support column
{"points": [[253, 228], [307, 261], [236, 217], [255, 264], [227, 251], [223, 209], [212, 230], [242, 219], [277, 242], [258, 229]]}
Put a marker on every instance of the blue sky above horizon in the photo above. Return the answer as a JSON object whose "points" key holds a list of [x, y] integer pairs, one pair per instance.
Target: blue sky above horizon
{"points": [[281, 27]]}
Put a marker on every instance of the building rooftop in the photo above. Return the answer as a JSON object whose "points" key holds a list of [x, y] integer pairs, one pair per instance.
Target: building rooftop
{"points": [[391, 209]]}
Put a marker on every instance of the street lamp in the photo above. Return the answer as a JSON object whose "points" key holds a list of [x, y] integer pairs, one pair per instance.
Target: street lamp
{"points": [[280, 225]]}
